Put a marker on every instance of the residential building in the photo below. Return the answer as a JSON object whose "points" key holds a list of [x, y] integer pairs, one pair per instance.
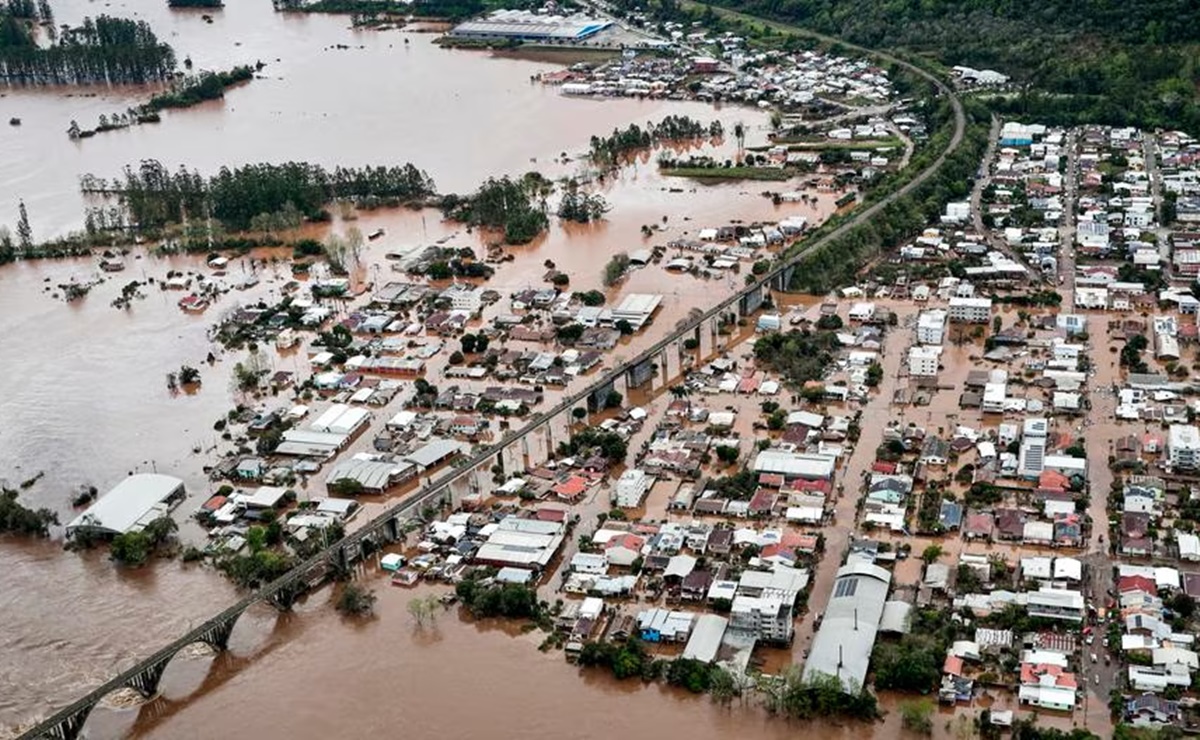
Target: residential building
{"points": [[970, 310], [769, 618], [923, 361], [1183, 446], [931, 326], [631, 488]]}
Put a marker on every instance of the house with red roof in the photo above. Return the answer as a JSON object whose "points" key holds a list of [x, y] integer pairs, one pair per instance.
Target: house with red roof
{"points": [[1047, 686], [623, 549], [571, 489]]}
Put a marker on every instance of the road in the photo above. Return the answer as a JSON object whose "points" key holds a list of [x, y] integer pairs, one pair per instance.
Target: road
{"points": [[981, 183], [436, 490], [1066, 229]]}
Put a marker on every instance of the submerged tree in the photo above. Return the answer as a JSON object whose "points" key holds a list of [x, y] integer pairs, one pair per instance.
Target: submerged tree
{"points": [[24, 232]]}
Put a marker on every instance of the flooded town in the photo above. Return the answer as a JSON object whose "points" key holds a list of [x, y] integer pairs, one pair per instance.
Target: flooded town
{"points": [[714, 378]]}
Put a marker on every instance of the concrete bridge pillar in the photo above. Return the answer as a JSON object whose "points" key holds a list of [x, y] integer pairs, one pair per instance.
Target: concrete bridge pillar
{"points": [[146, 681]]}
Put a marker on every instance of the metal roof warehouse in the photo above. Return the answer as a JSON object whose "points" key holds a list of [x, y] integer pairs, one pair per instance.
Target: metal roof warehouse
{"points": [[525, 26], [131, 505], [523, 543], [795, 465], [842, 647]]}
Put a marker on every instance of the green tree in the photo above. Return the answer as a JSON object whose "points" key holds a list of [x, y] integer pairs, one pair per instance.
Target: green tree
{"points": [[346, 487], [931, 554], [728, 454], [917, 716], [355, 601]]}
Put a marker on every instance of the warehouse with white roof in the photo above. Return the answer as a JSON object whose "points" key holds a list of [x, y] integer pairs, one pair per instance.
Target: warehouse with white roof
{"points": [[130, 506]]}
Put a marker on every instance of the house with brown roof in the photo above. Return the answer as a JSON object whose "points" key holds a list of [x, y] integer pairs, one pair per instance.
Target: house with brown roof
{"points": [[1010, 524]]}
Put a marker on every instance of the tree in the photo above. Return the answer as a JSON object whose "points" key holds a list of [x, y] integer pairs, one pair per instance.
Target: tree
{"points": [[931, 554], [615, 269], [830, 322], [468, 344], [355, 601], [777, 420], [346, 487], [624, 327], [739, 133], [131, 548], [591, 298], [188, 375], [917, 716], [24, 232], [874, 374], [456, 358], [423, 609], [913, 664], [727, 454], [613, 399], [682, 391], [579, 413]]}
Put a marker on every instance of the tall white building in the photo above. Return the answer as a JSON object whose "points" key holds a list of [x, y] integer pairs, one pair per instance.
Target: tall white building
{"points": [[631, 488], [970, 310], [931, 326], [1183, 446], [923, 361]]}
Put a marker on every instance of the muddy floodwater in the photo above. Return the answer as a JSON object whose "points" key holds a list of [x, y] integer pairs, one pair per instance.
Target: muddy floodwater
{"points": [[84, 399]]}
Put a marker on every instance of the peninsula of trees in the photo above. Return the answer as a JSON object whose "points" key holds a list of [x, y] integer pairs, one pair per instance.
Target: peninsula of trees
{"points": [[153, 197], [105, 50], [188, 91]]}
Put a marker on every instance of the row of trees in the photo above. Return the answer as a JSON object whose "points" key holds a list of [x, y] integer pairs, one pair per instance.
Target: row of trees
{"points": [[154, 197], [448, 9], [609, 149], [106, 50]]}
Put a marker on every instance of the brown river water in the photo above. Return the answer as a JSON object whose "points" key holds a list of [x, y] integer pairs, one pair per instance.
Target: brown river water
{"points": [[83, 396]]}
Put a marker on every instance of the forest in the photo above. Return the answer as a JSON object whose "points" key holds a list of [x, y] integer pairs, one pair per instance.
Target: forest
{"points": [[1102, 61], [154, 197], [105, 50]]}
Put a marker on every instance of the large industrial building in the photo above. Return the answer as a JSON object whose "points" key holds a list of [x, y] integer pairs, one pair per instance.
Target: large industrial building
{"points": [[520, 25], [842, 647], [130, 506]]}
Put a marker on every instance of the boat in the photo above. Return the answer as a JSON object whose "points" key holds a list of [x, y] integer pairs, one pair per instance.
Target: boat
{"points": [[112, 264], [375, 234], [193, 303]]}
